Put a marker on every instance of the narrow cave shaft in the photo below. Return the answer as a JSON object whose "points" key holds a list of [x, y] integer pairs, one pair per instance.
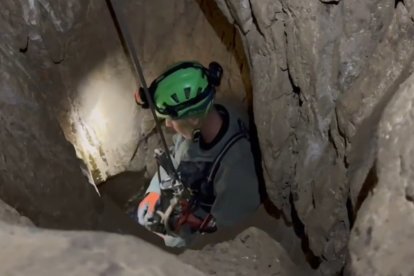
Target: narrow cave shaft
{"points": [[327, 86]]}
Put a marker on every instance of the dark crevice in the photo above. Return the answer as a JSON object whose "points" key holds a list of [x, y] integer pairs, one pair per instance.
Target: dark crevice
{"points": [[257, 25], [346, 162], [397, 2], [275, 212], [333, 2], [299, 228], [369, 184], [313, 195], [257, 154], [350, 212], [332, 141], [59, 61], [254, 19], [409, 198], [296, 89], [26, 47], [313, 201], [343, 137]]}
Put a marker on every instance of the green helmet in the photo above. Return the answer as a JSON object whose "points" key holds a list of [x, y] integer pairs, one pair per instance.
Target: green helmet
{"points": [[184, 90]]}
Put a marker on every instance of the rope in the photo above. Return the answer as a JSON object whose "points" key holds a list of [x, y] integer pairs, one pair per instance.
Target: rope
{"points": [[122, 27]]}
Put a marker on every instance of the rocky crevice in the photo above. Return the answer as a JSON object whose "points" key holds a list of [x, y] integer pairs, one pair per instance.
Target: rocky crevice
{"points": [[330, 96]]}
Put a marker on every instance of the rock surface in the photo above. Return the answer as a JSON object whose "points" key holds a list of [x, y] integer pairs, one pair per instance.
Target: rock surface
{"points": [[79, 56], [38, 252], [252, 252], [51, 53], [27, 250], [382, 238], [40, 175], [332, 120], [322, 73], [95, 106]]}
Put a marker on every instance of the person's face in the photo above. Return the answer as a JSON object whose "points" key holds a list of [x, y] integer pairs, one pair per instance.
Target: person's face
{"points": [[184, 127]]}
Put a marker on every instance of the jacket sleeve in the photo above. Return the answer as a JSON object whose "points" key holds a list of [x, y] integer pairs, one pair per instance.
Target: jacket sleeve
{"points": [[236, 186]]}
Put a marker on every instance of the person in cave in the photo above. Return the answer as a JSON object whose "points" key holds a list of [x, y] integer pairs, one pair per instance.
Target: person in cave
{"points": [[211, 153]]}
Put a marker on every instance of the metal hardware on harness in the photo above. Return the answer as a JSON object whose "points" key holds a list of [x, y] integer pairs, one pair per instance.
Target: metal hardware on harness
{"points": [[175, 184]]}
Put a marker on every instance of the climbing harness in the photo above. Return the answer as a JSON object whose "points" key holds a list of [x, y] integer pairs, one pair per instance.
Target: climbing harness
{"points": [[183, 212]]}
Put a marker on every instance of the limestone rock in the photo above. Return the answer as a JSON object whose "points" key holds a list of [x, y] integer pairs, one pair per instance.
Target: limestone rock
{"points": [[40, 175], [381, 241], [252, 252], [320, 75], [103, 121], [34, 251], [388, 66], [78, 48], [323, 72]]}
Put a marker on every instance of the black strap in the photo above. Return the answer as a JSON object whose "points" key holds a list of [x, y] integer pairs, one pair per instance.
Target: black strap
{"points": [[217, 161], [208, 222]]}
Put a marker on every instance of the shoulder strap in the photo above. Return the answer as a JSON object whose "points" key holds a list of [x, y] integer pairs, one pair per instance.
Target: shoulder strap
{"points": [[216, 163]]}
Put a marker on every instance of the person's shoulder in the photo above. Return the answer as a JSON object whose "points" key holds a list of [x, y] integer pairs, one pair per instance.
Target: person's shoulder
{"points": [[238, 152], [234, 111], [238, 119], [180, 146]]}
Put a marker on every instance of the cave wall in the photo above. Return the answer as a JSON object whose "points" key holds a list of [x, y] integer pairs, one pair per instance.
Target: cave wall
{"points": [[38, 169], [332, 116], [251, 252], [328, 70], [94, 102], [381, 241], [97, 111], [40, 175], [27, 250], [64, 61]]}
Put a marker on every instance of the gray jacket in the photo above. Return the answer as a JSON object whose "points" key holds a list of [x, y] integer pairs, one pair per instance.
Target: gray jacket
{"points": [[235, 190]]}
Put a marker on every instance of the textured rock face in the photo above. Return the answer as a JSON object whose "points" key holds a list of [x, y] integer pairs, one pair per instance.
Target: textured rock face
{"points": [[382, 239], [40, 175], [96, 107], [75, 44], [252, 252], [33, 251], [30, 250], [322, 73], [38, 169]]}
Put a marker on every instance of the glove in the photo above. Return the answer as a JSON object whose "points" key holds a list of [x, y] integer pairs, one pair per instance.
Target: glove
{"points": [[171, 241], [184, 238], [147, 207]]}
